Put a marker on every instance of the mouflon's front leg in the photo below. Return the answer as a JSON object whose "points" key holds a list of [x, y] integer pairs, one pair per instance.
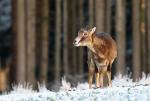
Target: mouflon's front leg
{"points": [[91, 68], [97, 80], [101, 79]]}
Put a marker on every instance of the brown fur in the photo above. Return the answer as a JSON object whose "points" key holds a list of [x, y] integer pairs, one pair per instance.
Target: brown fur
{"points": [[102, 53], [105, 47], [3, 79]]}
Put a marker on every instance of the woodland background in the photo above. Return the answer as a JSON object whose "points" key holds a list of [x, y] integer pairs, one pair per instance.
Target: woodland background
{"points": [[36, 37]]}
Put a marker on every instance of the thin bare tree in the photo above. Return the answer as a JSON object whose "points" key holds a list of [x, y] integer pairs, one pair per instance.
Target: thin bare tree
{"points": [[65, 38], [100, 15], [13, 69], [91, 13], [148, 32], [121, 36], [57, 41], [44, 40], [74, 54], [39, 5], [30, 31], [136, 39], [70, 37], [143, 36], [20, 41], [81, 22], [108, 16]]}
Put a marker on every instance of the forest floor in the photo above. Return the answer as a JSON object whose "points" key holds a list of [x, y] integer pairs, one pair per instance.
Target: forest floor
{"points": [[123, 89]]}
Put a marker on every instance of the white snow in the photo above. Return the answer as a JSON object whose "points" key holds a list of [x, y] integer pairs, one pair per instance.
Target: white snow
{"points": [[123, 89]]}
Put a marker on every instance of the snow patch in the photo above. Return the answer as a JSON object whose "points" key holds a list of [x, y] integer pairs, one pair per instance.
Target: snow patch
{"points": [[65, 85], [22, 89], [123, 89]]}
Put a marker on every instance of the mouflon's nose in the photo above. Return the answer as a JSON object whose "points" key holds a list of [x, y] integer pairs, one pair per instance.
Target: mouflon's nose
{"points": [[74, 42]]}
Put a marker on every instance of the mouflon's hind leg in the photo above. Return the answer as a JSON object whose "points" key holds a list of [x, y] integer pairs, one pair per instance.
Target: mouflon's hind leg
{"points": [[109, 75], [91, 68], [101, 79], [109, 78], [97, 80]]}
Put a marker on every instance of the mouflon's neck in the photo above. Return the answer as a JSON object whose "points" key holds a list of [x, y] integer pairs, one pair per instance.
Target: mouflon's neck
{"points": [[94, 43]]}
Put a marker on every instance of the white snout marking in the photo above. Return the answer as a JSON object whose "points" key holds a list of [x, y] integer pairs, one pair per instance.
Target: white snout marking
{"points": [[77, 41]]}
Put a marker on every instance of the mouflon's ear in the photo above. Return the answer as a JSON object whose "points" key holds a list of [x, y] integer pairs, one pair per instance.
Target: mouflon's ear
{"points": [[93, 30]]}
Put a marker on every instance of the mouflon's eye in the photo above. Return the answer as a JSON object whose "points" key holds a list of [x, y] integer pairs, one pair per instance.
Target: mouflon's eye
{"points": [[85, 34]]}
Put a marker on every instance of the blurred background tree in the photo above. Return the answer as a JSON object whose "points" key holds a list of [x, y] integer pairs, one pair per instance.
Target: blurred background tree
{"points": [[37, 36]]}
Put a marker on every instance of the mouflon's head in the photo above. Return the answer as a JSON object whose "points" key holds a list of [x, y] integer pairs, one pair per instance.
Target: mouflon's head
{"points": [[84, 37]]}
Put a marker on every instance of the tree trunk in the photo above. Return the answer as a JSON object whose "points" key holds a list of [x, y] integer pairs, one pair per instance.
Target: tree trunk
{"points": [[65, 41], [100, 15], [81, 22], [143, 37], [91, 13], [121, 36], [39, 33], [13, 68], [74, 56], [70, 35], [136, 39], [14, 42], [30, 30], [108, 16], [148, 32], [57, 41], [20, 34], [44, 40]]}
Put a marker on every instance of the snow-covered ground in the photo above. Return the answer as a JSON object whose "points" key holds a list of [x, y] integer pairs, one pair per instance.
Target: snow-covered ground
{"points": [[123, 89]]}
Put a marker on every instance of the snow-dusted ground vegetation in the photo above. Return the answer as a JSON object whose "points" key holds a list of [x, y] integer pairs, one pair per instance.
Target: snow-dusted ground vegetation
{"points": [[123, 89]]}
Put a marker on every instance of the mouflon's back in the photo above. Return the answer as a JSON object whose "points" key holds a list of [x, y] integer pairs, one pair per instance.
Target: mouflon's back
{"points": [[104, 46]]}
